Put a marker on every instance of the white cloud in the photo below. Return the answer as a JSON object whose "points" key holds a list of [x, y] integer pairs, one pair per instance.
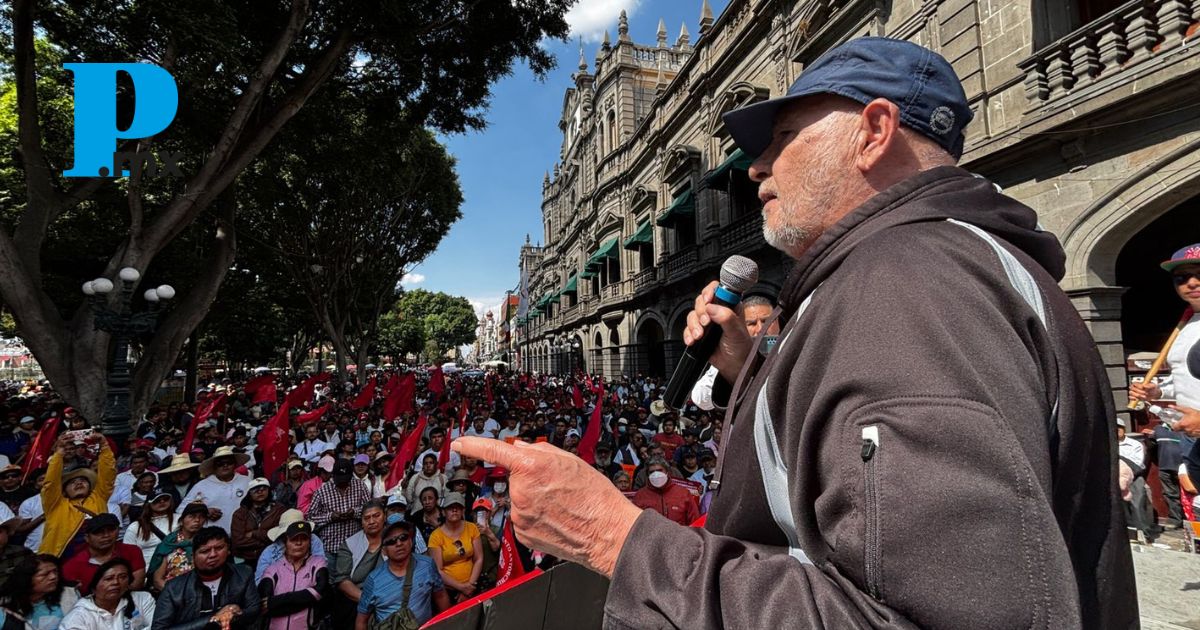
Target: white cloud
{"points": [[412, 279], [486, 303], [589, 18]]}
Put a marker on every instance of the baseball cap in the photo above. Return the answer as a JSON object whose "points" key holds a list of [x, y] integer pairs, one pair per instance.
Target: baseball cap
{"points": [[920, 82], [259, 482], [362, 458], [326, 463], [99, 522], [195, 508], [397, 499], [1189, 255], [454, 498], [1121, 423], [342, 469], [483, 502]]}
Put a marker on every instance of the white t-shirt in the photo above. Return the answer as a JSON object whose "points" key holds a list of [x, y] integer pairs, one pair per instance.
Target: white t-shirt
{"points": [[453, 462], [509, 433], [133, 535], [213, 586], [1182, 385], [310, 451], [6, 513], [30, 509], [1133, 451], [224, 495]]}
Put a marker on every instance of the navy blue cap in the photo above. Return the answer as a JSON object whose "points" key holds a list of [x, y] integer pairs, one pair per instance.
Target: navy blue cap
{"points": [[920, 82]]}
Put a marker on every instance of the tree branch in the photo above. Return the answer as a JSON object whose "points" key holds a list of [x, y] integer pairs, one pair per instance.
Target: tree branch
{"points": [[43, 199]]}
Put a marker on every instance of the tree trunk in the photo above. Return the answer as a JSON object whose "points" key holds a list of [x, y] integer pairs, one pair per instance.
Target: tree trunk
{"points": [[191, 381]]}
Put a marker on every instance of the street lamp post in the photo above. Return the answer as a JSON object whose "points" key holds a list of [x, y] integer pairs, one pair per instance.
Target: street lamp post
{"points": [[123, 326], [576, 355]]}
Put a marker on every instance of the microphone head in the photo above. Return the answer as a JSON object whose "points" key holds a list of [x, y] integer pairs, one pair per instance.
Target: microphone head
{"points": [[739, 273]]}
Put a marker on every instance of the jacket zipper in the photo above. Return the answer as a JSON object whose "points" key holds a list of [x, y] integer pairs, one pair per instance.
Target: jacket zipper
{"points": [[870, 448]]}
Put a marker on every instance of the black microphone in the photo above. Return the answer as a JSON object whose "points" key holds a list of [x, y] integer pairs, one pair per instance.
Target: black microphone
{"points": [[737, 274]]}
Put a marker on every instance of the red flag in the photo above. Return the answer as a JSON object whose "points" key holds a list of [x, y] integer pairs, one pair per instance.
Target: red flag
{"points": [[266, 394], [437, 381], [391, 385], [405, 453], [313, 415], [253, 385], [43, 443], [273, 438], [366, 396], [204, 410], [402, 399], [444, 455], [510, 563], [302, 395], [578, 396], [487, 389], [591, 436]]}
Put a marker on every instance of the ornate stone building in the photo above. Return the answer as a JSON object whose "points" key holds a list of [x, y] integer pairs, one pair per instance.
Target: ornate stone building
{"points": [[1087, 110]]}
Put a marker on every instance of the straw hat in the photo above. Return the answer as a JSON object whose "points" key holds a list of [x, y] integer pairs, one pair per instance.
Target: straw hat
{"points": [[658, 407], [289, 517], [179, 462], [86, 473], [239, 459]]}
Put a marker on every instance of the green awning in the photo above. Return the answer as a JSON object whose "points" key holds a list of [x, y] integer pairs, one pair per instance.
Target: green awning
{"points": [[737, 161], [683, 206], [572, 285], [587, 274], [556, 297], [643, 235], [607, 250]]}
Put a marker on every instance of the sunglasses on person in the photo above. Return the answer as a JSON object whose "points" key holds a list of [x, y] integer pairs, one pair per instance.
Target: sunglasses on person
{"points": [[11, 475], [1182, 277], [399, 538], [459, 546]]}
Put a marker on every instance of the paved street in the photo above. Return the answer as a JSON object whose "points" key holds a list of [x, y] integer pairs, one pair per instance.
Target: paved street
{"points": [[1168, 585]]}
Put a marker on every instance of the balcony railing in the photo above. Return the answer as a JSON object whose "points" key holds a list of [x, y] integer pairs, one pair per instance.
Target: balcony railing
{"points": [[644, 279], [682, 261], [1108, 45], [744, 232]]}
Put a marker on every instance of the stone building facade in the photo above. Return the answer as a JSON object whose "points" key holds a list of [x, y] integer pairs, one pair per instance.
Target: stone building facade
{"points": [[1087, 110]]}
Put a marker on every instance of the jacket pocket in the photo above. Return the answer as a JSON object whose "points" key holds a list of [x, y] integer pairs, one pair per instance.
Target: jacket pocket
{"points": [[871, 542]]}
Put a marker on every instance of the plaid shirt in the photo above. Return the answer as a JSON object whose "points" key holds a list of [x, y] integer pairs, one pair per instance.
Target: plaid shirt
{"points": [[327, 501]]}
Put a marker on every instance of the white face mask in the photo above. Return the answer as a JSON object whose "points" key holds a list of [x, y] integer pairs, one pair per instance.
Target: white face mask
{"points": [[500, 487], [658, 479]]}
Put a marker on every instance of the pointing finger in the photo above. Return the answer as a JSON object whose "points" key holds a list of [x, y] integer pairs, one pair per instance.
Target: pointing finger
{"points": [[491, 451]]}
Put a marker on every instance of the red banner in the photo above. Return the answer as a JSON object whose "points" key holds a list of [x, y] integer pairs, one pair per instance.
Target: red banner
{"points": [[591, 435], [402, 399], [577, 396], [366, 396], [43, 444], [273, 438], [259, 386], [437, 382], [302, 395], [406, 452], [313, 415], [510, 562], [204, 409]]}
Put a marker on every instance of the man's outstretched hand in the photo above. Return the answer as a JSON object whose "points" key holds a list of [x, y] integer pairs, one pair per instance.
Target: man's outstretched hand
{"points": [[560, 504]]}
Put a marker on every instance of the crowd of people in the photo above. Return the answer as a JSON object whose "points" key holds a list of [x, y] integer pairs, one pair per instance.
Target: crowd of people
{"points": [[190, 522]]}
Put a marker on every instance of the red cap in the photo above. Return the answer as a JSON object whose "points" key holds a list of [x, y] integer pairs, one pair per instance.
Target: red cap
{"points": [[499, 472], [483, 502]]}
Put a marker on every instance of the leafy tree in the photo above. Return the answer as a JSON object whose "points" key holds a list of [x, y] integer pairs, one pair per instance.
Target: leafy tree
{"points": [[446, 321], [8, 326], [368, 196], [399, 335], [245, 69]]}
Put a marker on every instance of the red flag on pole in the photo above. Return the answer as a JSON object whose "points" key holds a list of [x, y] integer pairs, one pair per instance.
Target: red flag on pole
{"points": [[302, 395], [578, 396], [266, 393], [204, 410], [405, 453], [366, 396], [402, 399], [487, 389], [391, 385], [274, 440], [313, 415], [43, 443], [591, 436], [255, 384], [437, 381], [444, 455], [510, 563]]}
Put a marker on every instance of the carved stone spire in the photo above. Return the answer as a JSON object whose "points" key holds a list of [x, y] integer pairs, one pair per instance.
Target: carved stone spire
{"points": [[607, 44], [623, 27], [706, 18], [684, 38], [662, 33], [582, 62]]}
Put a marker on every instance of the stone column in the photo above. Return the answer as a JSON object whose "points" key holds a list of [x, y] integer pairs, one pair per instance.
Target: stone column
{"points": [[1100, 308]]}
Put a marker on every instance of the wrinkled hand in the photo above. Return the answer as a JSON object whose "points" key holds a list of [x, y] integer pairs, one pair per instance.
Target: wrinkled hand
{"points": [[736, 343], [560, 504], [1144, 390], [1189, 423]]}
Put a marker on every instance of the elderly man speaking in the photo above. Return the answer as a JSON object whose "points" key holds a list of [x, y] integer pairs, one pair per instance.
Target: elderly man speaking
{"points": [[928, 444]]}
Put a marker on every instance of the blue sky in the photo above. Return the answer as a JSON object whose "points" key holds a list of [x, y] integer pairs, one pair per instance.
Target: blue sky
{"points": [[501, 167]]}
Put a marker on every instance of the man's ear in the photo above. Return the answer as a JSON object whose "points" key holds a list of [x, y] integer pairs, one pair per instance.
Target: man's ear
{"points": [[879, 128]]}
